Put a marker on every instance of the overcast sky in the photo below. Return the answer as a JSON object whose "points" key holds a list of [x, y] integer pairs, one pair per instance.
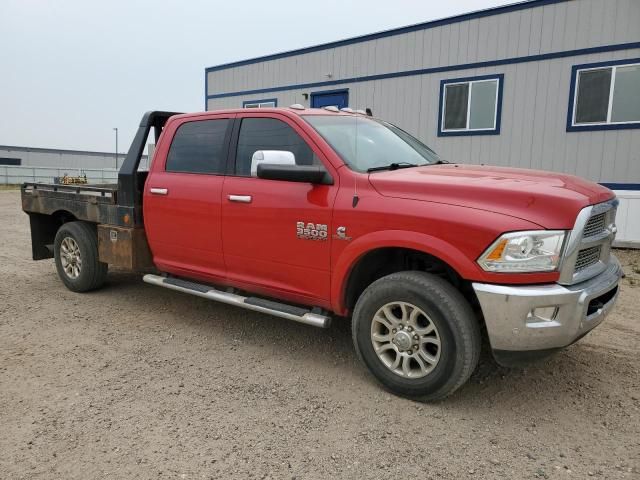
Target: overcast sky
{"points": [[71, 70]]}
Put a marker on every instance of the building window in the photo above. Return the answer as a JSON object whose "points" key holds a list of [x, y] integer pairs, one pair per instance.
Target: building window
{"points": [[470, 106], [10, 161], [605, 96], [268, 103]]}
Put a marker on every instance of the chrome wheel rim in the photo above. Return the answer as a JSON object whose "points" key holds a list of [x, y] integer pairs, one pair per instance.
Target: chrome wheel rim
{"points": [[70, 257], [405, 340]]}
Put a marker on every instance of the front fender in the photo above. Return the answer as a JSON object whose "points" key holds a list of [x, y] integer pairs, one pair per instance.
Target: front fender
{"points": [[422, 242]]}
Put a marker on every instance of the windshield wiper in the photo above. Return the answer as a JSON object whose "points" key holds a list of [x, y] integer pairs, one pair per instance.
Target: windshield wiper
{"points": [[392, 166]]}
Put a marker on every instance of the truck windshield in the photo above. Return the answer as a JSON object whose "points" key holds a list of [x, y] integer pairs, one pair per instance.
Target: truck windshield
{"points": [[367, 144]]}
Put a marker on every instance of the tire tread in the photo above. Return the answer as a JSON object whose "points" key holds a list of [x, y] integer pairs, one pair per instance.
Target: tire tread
{"points": [[446, 294], [96, 271]]}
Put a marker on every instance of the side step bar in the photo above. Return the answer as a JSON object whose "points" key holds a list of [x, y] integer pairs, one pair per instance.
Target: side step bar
{"points": [[282, 310]]}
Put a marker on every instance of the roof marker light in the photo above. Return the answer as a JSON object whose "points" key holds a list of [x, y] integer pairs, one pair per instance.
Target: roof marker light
{"points": [[331, 108], [361, 112], [347, 110], [297, 106]]}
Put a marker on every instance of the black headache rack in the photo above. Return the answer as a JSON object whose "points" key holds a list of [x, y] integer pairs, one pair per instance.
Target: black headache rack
{"points": [[130, 183], [116, 209]]}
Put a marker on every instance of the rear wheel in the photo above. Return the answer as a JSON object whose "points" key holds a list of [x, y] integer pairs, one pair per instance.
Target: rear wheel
{"points": [[76, 256], [416, 334]]}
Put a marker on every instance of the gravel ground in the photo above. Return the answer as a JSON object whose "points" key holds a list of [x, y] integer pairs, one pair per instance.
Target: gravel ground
{"points": [[137, 382]]}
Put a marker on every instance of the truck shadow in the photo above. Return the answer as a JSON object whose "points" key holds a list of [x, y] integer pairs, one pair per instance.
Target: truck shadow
{"points": [[571, 378], [561, 379]]}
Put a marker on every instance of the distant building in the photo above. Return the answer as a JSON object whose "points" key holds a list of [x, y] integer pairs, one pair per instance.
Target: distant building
{"points": [[30, 164], [56, 158], [546, 84]]}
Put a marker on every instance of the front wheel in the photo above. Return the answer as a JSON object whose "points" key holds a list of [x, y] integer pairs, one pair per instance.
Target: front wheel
{"points": [[416, 334], [76, 255]]}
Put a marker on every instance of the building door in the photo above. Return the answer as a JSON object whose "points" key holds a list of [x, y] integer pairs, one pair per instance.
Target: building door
{"points": [[332, 98]]}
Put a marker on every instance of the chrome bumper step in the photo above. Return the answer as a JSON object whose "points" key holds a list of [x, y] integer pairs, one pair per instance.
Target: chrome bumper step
{"points": [[282, 310]]}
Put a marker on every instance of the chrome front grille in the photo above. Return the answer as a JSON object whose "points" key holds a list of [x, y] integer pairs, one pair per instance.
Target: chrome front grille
{"points": [[587, 257], [595, 225], [588, 246]]}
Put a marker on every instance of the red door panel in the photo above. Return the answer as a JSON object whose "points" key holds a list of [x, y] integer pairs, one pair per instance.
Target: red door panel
{"points": [[183, 226], [262, 246], [261, 242], [182, 197]]}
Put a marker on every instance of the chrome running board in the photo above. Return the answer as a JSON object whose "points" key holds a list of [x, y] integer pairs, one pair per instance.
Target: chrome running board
{"points": [[282, 310]]}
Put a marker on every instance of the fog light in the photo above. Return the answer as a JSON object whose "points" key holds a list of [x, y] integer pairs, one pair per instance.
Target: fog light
{"points": [[544, 313]]}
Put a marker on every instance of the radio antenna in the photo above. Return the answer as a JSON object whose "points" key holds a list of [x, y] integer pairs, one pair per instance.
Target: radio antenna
{"points": [[356, 199]]}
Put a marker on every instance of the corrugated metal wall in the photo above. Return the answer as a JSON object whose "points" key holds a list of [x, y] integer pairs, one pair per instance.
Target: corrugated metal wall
{"points": [[72, 159], [536, 93]]}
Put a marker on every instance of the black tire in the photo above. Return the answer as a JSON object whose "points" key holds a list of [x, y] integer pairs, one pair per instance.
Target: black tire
{"points": [[92, 273], [456, 327]]}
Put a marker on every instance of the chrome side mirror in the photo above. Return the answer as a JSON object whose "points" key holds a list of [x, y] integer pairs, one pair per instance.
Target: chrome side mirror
{"points": [[271, 157]]}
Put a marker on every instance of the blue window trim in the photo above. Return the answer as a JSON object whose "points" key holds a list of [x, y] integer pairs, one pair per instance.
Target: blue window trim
{"points": [[264, 100], [206, 90], [572, 92], [622, 186], [328, 92], [459, 133]]}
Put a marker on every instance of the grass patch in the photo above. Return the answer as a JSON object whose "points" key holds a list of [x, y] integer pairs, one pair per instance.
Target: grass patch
{"points": [[9, 187]]}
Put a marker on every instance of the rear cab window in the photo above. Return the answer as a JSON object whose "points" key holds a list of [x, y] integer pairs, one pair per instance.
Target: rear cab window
{"points": [[199, 147]]}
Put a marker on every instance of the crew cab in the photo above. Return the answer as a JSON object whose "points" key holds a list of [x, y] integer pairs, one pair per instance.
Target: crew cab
{"points": [[314, 214]]}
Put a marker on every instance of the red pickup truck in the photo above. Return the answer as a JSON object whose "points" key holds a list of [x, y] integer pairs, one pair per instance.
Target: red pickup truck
{"points": [[308, 214]]}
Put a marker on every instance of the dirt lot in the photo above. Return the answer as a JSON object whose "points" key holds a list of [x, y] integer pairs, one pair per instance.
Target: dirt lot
{"points": [[137, 382]]}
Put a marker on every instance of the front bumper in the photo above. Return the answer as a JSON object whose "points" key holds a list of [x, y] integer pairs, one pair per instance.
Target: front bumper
{"points": [[546, 317]]}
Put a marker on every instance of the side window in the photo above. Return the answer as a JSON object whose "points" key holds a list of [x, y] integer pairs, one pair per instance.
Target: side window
{"points": [[269, 134], [269, 103], [198, 147], [470, 106], [605, 96]]}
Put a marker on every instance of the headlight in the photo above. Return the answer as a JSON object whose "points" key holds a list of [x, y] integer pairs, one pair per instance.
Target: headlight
{"points": [[517, 252]]}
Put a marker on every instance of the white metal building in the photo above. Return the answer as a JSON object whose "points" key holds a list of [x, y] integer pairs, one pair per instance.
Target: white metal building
{"points": [[31, 164], [548, 84], [51, 157]]}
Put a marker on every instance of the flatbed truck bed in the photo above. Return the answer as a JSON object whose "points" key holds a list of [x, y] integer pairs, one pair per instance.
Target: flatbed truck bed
{"points": [[115, 209]]}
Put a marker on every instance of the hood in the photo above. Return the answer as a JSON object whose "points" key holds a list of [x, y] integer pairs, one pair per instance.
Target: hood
{"points": [[551, 200]]}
